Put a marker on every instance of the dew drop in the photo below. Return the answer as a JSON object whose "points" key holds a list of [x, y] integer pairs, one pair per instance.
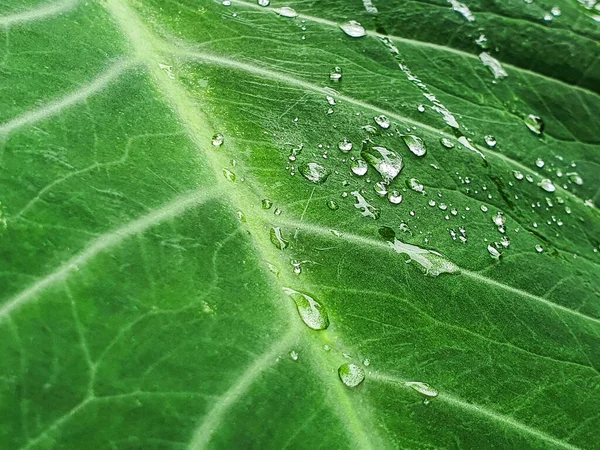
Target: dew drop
{"points": [[421, 108], [366, 363], [330, 100], [335, 74], [353, 29], [314, 172], [490, 141], [387, 163], [394, 197], [332, 204], [229, 175], [382, 121], [535, 124], [538, 248], [264, 2], [422, 388], [415, 144], [266, 203], [518, 175], [366, 209], [359, 167], [380, 189], [277, 238], [351, 374], [415, 185], [294, 355], [217, 140], [575, 178], [226, 3], [484, 208], [345, 145], [498, 219], [494, 65], [447, 142], [286, 11], [539, 162], [494, 253], [547, 185], [311, 312]]}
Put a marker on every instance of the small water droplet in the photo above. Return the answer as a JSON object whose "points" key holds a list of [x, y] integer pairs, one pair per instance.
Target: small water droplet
{"points": [[345, 145], [286, 11], [422, 388], [494, 253], [498, 219], [359, 167], [217, 140], [266, 203], [380, 188], [353, 29], [575, 178], [447, 142], [462, 9], [387, 163], [539, 162], [382, 121], [415, 144], [484, 208], [314, 172], [494, 65], [535, 124], [277, 238], [394, 197], [332, 204], [421, 108], [351, 374], [366, 362], [330, 100], [335, 74], [415, 185], [229, 175], [555, 11], [311, 312], [518, 175], [490, 141], [538, 248], [226, 3], [294, 355], [264, 2], [277, 212], [547, 185]]}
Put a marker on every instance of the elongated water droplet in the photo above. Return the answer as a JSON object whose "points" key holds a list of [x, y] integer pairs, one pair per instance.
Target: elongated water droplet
{"points": [[431, 262], [422, 388], [335, 74], [447, 142], [387, 163], [547, 185], [229, 175], [535, 124], [493, 64], [217, 140], [345, 145], [351, 374], [353, 29], [314, 172], [311, 312], [286, 11], [266, 203], [415, 144], [462, 9], [575, 178], [359, 167], [277, 238], [518, 175], [490, 141], [494, 253], [365, 207], [394, 197], [380, 188], [382, 121]]}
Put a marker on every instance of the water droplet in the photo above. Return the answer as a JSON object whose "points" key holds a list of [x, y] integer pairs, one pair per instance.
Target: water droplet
{"points": [[518, 175], [431, 203], [366, 362], [493, 64], [484, 208], [294, 355], [447, 142], [384, 161], [575, 178], [382, 121], [394, 197], [311, 312], [331, 204], [358, 167], [415, 185], [431, 262], [330, 100], [380, 188], [277, 212], [229, 175], [264, 2], [335, 74], [547, 185], [351, 374], [353, 29], [490, 141], [462, 9], [421, 108], [498, 219], [555, 11], [367, 210], [314, 172], [415, 144], [266, 203], [226, 3], [535, 124], [277, 238], [482, 41], [539, 162], [217, 140], [494, 253], [538, 248], [422, 388], [345, 145], [286, 11]]}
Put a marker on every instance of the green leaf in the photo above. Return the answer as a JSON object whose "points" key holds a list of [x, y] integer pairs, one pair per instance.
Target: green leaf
{"points": [[433, 285]]}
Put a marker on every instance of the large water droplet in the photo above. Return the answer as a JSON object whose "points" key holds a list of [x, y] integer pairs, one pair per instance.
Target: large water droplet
{"points": [[535, 124], [286, 11], [311, 312], [422, 388], [217, 140], [314, 172], [351, 374], [359, 167], [277, 238], [493, 64], [547, 185], [415, 144], [382, 121], [384, 161], [345, 145], [353, 29]]}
